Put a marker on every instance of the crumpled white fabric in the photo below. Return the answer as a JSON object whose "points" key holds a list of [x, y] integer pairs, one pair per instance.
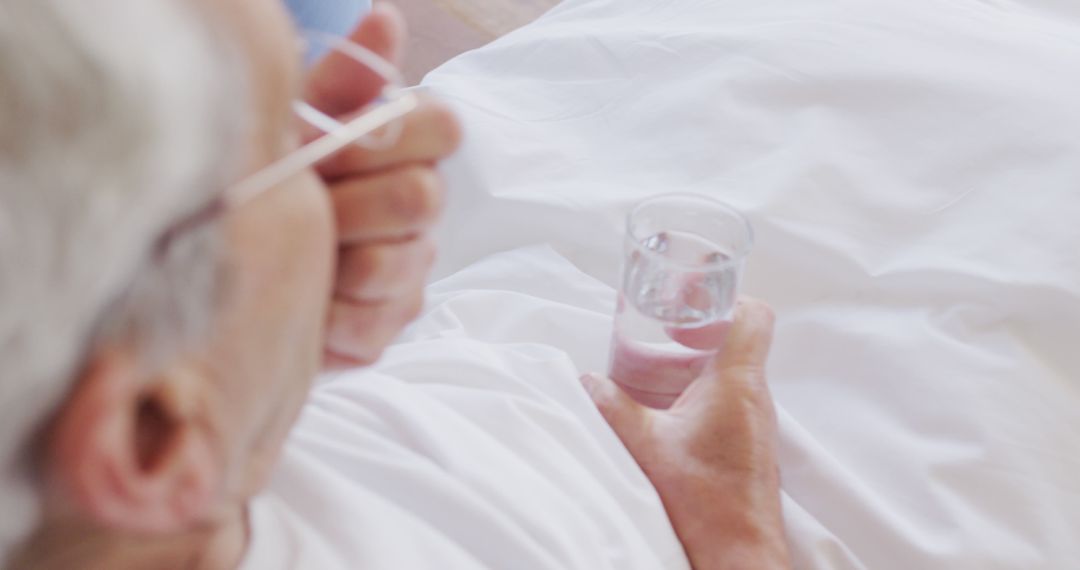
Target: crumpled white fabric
{"points": [[460, 452], [912, 170]]}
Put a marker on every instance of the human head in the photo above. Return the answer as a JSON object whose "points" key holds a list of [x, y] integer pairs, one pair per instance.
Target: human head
{"points": [[148, 379]]}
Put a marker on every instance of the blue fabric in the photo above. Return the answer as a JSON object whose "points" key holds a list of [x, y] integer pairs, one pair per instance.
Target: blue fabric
{"points": [[337, 17]]}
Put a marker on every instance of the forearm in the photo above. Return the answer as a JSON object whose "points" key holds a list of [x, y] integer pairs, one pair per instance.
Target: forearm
{"points": [[730, 525], [736, 545]]}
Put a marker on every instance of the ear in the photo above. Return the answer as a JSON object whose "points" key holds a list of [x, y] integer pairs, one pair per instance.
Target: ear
{"points": [[129, 452]]}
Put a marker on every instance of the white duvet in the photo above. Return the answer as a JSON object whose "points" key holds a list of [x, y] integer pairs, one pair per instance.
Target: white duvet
{"points": [[912, 170]]}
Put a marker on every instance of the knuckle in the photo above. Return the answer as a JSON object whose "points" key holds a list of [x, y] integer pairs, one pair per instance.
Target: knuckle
{"points": [[428, 252], [353, 206], [448, 127], [418, 196], [363, 262], [353, 158], [356, 330], [414, 308], [360, 333], [359, 267], [379, 257]]}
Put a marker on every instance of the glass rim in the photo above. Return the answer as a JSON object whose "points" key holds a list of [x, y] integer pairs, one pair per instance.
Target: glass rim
{"points": [[737, 257]]}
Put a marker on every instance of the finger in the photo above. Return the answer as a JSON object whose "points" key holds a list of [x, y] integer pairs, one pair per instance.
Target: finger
{"points": [[428, 133], [748, 341], [732, 397], [383, 32], [377, 272], [338, 84], [629, 419], [360, 332], [738, 369], [393, 205]]}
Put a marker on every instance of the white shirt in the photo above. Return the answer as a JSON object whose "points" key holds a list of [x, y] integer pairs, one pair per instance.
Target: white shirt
{"points": [[459, 454]]}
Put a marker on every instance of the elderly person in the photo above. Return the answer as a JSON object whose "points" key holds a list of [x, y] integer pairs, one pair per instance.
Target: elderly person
{"points": [[158, 346]]}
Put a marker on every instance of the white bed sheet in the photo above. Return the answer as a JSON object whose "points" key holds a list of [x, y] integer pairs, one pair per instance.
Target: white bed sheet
{"points": [[912, 170]]}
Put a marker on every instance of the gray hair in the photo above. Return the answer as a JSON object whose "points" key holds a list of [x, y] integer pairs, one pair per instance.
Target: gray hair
{"points": [[117, 119]]}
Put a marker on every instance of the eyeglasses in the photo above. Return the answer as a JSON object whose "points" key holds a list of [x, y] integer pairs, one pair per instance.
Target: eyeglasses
{"points": [[378, 126]]}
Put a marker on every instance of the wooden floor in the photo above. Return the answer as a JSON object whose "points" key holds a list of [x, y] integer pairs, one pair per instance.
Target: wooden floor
{"points": [[441, 29]]}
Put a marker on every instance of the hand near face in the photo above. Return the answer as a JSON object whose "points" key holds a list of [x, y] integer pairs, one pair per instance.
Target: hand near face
{"points": [[712, 455], [385, 202]]}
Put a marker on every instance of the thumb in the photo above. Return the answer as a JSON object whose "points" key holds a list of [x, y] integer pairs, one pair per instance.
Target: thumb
{"points": [[740, 365], [338, 84], [630, 420], [750, 338]]}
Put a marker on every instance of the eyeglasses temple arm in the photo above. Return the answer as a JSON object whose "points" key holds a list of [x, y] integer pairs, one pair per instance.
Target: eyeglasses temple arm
{"points": [[322, 147]]}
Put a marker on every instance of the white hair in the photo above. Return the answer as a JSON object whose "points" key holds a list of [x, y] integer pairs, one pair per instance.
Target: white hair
{"points": [[117, 119]]}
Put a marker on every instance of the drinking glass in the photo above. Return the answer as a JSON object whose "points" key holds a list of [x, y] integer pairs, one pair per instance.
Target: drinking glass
{"points": [[683, 259]]}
